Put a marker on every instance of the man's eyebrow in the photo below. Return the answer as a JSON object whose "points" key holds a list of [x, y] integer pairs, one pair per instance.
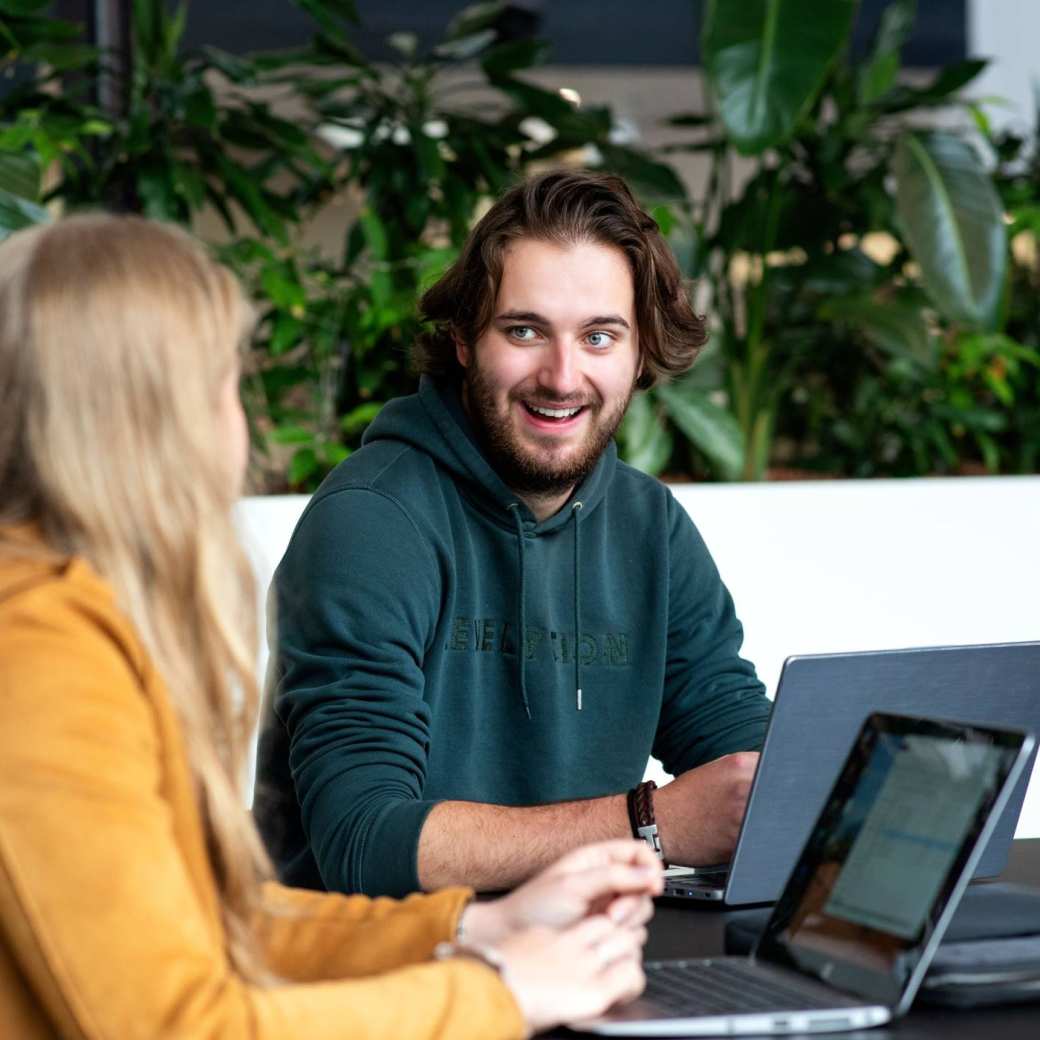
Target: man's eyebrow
{"points": [[538, 319], [531, 316], [607, 319]]}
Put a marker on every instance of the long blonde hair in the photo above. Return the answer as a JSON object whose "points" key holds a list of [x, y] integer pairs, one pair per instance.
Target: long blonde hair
{"points": [[116, 335]]}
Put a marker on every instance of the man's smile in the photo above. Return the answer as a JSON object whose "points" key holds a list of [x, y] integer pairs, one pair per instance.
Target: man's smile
{"points": [[552, 417]]}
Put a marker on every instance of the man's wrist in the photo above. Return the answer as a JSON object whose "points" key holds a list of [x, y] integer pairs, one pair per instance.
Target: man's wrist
{"points": [[641, 816]]}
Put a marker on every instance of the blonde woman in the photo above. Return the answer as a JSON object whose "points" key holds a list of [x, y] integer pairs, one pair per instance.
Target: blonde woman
{"points": [[135, 898]]}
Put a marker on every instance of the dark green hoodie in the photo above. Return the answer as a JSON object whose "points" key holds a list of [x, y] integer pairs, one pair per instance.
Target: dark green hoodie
{"points": [[410, 583]]}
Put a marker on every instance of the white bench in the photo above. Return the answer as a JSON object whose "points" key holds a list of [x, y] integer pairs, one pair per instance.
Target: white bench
{"points": [[824, 566]]}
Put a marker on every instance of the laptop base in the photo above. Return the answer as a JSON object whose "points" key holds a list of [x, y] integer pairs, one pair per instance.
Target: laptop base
{"points": [[679, 891], [702, 884], [734, 996]]}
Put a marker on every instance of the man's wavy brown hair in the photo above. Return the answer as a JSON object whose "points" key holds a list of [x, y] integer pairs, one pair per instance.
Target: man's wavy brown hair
{"points": [[564, 206]]}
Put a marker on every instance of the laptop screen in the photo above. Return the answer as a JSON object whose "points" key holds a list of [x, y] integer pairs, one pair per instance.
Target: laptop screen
{"points": [[887, 852]]}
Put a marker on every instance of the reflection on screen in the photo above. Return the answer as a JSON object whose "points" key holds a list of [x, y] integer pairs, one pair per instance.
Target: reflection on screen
{"points": [[859, 907], [909, 839]]}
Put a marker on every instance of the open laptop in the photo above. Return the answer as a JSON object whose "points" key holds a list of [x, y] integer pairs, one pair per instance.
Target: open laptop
{"points": [[871, 894], [820, 702]]}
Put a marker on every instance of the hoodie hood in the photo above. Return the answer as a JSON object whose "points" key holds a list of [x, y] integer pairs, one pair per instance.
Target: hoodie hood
{"points": [[434, 422]]}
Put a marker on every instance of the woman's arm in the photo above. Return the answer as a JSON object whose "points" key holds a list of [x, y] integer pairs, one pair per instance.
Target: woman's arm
{"points": [[112, 925], [311, 936]]}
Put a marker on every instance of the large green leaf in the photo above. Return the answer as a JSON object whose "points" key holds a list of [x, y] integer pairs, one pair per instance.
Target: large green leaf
{"points": [[506, 58], [19, 190], [879, 72], [1025, 218], [237, 70], [149, 18], [62, 57], [946, 83], [648, 178], [548, 105], [19, 175], [17, 213], [474, 18], [954, 225], [767, 59], [710, 428], [240, 185], [303, 464], [159, 199], [466, 47], [375, 233], [645, 440], [899, 326], [332, 40]]}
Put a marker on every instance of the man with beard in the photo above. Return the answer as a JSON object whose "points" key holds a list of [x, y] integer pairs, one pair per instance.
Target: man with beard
{"points": [[486, 623]]}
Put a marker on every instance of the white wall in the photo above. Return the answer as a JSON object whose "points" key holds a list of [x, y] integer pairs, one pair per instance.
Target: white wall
{"points": [[824, 566], [828, 566], [819, 566], [1006, 32]]}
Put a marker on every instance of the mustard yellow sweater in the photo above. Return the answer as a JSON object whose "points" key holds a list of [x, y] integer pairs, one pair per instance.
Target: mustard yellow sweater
{"points": [[109, 927]]}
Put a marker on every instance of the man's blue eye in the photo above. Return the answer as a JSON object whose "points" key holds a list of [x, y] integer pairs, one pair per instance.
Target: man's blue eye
{"points": [[521, 332], [599, 339]]}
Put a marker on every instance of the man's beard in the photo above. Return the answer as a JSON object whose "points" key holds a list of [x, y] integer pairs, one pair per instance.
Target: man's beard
{"points": [[525, 470]]}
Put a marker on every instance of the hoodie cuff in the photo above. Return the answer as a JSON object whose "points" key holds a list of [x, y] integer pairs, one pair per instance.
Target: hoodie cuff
{"points": [[391, 861]]}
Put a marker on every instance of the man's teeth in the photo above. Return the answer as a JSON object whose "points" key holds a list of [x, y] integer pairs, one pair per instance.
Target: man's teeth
{"points": [[555, 413]]}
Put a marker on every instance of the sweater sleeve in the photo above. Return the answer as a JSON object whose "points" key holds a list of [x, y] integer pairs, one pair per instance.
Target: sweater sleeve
{"points": [[312, 936], [98, 907], [357, 597], [714, 704]]}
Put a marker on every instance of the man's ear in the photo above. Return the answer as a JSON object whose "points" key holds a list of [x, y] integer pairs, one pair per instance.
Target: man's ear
{"points": [[462, 352]]}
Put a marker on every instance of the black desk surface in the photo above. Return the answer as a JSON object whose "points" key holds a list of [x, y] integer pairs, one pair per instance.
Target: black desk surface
{"points": [[695, 931]]}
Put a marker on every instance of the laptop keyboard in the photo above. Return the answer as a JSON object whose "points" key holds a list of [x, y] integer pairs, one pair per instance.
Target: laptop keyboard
{"points": [[725, 987]]}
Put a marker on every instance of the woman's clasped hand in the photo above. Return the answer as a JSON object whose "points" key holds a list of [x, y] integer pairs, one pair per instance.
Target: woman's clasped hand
{"points": [[571, 939]]}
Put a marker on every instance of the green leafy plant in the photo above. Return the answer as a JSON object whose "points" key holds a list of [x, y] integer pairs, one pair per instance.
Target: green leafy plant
{"points": [[19, 188], [857, 276], [36, 128], [194, 134], [189, 133], [868, 317], [423, 142], [413, 148]]}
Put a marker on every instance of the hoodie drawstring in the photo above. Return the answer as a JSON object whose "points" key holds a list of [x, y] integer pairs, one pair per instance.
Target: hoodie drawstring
{"points": [[521, 648], [521, 610], [575, 509]]}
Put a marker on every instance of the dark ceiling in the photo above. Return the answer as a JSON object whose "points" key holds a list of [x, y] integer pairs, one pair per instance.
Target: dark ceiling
{"points": [[582, 32]]}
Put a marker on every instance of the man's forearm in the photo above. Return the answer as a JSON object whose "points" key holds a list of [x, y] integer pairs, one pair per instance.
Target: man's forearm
{"points": [[492, 847]]}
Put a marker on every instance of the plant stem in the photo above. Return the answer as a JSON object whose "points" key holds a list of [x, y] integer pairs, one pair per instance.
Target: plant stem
{"points": [[755, 421]]}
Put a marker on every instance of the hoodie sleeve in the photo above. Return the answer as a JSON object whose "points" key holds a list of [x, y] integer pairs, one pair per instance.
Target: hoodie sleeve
{"points": [[356, 602], [714, 704]]}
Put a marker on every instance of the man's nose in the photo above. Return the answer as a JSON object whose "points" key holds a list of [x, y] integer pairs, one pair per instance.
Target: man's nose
{"points": [[560, 372]]}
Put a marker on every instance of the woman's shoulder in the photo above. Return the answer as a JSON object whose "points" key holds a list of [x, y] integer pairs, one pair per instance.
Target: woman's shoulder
{"points": [[55, 609]]}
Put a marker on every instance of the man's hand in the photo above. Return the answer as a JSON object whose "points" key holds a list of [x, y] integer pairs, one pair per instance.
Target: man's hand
{"points": [[699, 813], [613, 878]]}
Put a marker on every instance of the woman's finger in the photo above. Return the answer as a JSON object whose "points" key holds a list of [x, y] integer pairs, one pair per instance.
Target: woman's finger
{"points": [[605, 853], [624, 980], [630, 910]]}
